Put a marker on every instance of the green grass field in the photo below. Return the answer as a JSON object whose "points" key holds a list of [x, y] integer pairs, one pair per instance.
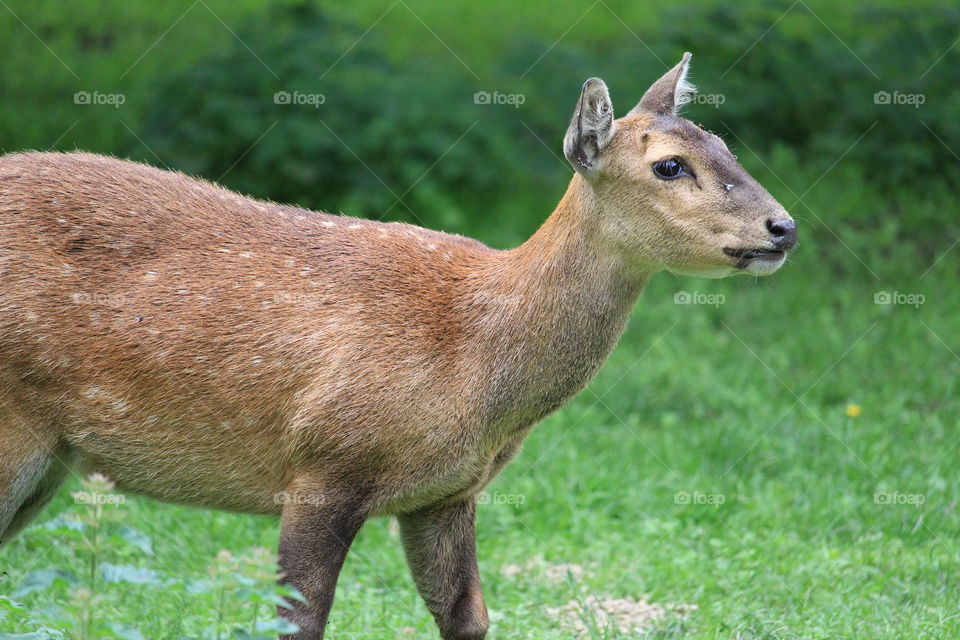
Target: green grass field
{"points": [[711, 463]]}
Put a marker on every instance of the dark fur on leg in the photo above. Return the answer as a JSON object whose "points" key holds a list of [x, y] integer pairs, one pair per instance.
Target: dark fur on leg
{"points": [[317, 529], [441, 549]]}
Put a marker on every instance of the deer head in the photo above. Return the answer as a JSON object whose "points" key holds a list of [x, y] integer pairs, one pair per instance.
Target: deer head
{"points": [[669, 194]]}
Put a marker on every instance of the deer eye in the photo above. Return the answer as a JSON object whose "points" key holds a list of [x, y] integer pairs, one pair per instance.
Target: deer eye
{"points": [[670, 169]]}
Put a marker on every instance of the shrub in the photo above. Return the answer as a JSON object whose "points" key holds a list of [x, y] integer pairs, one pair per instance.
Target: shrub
{"points": [[358, 133]]}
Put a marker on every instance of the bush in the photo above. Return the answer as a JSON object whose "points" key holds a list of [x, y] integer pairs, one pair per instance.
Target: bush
{"points": [[358, 133]]}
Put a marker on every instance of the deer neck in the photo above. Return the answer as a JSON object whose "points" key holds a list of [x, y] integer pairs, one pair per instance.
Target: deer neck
{"points": [[559, 303]]}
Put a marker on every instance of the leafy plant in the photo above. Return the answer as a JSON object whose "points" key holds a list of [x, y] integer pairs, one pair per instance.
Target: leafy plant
{"points": [[241, 591], [251, 581]]}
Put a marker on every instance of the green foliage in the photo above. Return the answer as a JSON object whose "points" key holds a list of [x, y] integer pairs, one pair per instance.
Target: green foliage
{"points": [[52, 52], [367, 142], [242, 592]]}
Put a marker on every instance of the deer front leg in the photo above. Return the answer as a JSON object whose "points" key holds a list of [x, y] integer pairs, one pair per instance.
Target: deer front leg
{"points": [[317, 527], [441, 550]]}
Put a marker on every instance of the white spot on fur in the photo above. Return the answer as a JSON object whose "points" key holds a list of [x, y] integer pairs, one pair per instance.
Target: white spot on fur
{"points": [[224, 250], [259, 284], [150, 275], [355, 226], [327, 223], [246, 254], [256, 359], [431, 246], [93, 392]]}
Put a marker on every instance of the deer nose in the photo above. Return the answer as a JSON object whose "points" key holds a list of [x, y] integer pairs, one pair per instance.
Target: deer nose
{"points": [[784, 233]]}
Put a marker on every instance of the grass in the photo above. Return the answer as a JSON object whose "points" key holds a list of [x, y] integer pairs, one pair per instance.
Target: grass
{"points": [[712, 462]]}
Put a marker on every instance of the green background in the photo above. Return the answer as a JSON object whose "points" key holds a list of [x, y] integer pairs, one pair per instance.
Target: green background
{"points": [[746, 399]]}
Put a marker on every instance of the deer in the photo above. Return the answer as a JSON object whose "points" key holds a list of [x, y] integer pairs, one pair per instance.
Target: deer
{"points": [[201, 347]]}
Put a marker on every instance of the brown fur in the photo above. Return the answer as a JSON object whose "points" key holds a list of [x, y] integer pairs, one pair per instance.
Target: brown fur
{"points": [[205, 348]]}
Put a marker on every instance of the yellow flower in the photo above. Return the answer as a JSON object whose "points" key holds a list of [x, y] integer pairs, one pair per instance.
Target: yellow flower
{"points": [[853, 410]]}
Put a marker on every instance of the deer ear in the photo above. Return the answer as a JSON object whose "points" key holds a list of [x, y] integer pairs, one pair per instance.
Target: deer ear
{"points": [[591, 127], [669, 93]]}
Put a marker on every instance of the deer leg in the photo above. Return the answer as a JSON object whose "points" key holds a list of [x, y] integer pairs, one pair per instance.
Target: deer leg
{"points": [[317, 527], [31, 471], [441, 551]]}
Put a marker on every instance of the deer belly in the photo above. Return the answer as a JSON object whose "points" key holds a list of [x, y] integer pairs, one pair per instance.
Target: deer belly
{"points": [[200, 465]]}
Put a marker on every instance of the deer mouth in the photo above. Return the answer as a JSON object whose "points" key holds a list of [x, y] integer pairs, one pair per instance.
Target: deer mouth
{"points": [[745, 257]]}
